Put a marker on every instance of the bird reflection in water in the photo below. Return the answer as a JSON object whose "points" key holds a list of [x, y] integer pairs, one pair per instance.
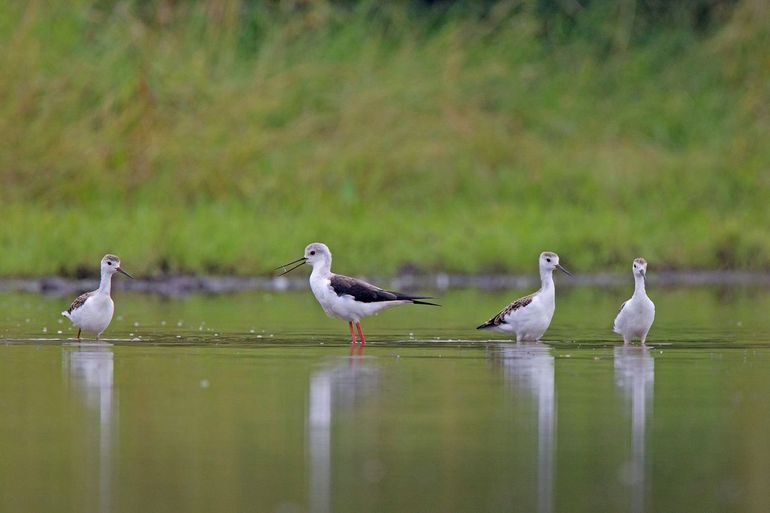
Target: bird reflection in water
{"points": [[90, 373], [530, 368], [635, 378], [334, 389]]}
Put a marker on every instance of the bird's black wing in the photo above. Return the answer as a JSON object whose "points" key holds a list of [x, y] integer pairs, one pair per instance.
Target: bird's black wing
{"points": [[368, 293], [499, 319], [79, 301]]}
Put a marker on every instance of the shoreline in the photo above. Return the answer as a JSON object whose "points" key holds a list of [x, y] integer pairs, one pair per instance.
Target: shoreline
{"points": [[183, 285]]}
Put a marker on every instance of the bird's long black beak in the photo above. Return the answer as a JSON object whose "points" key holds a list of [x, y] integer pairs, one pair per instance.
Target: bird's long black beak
{"points": [[301, 261], [559, 267], [121, 271], [644, 275]]}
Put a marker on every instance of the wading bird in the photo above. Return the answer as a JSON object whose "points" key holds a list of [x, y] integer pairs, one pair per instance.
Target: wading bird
{"points": [[93, 311], [635, 316], [346, 298], [529, 316]]}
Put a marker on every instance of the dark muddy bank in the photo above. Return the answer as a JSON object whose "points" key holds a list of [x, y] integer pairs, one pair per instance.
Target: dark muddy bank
{"points": [[184, 285]]}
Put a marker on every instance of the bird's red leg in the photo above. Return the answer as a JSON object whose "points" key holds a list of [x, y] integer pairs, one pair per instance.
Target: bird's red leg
{"points": [[361, 339]]}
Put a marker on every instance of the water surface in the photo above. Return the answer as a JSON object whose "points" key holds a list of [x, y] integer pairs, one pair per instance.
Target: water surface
{"points": [[251, 402]]}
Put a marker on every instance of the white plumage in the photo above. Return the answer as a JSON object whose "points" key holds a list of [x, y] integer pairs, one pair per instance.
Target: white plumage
{"points": [[93, 311], [638, 313], [529, 317], [346, 298], [345, 307], [94, 315]]}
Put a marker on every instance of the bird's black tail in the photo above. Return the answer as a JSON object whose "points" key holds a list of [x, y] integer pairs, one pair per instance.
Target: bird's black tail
{"points": [[418, 302], [415, 299]]}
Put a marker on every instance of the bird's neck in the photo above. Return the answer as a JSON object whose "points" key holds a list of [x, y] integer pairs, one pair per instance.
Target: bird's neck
{"points": [[322, 269], [639, 286], [105, 285], [546, 279]]}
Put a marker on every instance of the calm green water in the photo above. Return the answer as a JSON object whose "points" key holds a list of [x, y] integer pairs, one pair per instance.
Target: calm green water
{"points": [[251, 402]]}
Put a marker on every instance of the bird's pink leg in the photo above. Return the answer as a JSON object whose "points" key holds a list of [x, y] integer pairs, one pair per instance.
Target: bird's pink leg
{"points": [[361, 339], [352, 337], [360, 334]]}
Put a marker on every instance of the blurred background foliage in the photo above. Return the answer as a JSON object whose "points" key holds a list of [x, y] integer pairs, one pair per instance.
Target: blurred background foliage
{"points": [[223, 136]]}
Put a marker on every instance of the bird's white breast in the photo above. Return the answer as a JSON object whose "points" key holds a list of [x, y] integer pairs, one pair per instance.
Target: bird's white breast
{"points": [[95, 314], [636, 317], [530, 322], [323, 292]]}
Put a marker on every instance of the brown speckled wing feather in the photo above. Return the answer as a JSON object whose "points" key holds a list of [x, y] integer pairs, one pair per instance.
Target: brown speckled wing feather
{"points": [[79, 301], [499, 319]]}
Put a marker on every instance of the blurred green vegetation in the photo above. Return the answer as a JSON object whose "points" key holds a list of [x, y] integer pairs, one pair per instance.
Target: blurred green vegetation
{"points": [[224, 136]]}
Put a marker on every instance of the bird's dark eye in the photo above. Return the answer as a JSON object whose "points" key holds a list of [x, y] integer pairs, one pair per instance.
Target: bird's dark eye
{"points": [[109, 263], [547, 259], [312, 253]]}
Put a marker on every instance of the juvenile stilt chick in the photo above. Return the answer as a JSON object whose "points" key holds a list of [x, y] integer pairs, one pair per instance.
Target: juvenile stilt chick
{"points": [[528, 317], [636, 315], [93, 311]]}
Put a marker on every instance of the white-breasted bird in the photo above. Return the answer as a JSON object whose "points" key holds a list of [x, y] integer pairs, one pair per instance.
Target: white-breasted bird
{"points": [[93, 311], [636, 315], [346, 298], [528, 317]]}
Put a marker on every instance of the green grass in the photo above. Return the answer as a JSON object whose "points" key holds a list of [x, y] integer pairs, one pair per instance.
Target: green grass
{"points": [[224, 140]]}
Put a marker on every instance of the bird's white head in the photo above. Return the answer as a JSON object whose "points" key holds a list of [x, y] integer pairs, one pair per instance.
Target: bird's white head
{"points": [[639, 267], [111, 265], [318, 253], [550, 261]]}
